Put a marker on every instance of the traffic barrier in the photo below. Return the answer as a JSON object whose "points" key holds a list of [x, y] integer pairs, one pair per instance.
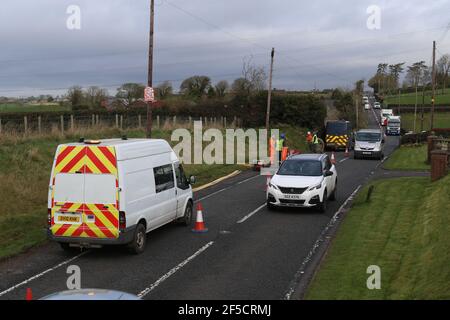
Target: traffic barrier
{"points": [[199, 224], [284, 153], [29, 295], [333, 158]]}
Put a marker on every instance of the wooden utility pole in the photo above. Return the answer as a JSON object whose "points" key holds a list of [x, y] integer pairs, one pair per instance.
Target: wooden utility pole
{"points": [[150, 68], [433, 78], [269, 97]]}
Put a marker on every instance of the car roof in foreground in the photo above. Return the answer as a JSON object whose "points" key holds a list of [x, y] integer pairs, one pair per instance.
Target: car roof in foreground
{"points": [[91, 294], [308, 156]]}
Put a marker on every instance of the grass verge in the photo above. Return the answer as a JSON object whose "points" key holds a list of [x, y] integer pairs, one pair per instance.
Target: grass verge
{"points": [[405, 230], [412, 158], [441, 120]]}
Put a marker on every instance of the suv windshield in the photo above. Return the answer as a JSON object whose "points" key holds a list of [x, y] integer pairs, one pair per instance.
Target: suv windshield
{"points": [[309, 168], [368, 136]]}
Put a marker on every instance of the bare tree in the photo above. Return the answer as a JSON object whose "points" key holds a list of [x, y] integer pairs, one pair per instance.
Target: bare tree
{"points": [[164, 90], [414, 74], [94, 96], [443, 68], [255, 75], [221, 88]]}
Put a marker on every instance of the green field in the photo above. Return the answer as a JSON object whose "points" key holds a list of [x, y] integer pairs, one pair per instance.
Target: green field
{"points": [[408, 158], [410, 98], [405, 230], [441, 120], [27, 108]]}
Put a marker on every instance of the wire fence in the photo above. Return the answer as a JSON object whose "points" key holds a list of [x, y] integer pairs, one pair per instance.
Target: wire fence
{"points": [[37, 124]]}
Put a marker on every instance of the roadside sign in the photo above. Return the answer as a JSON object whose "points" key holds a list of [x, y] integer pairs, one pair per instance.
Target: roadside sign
{"points": [[149, 94]]}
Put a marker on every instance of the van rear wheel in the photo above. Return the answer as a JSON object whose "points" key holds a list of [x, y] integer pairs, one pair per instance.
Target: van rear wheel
{"points": [[137, 246]]}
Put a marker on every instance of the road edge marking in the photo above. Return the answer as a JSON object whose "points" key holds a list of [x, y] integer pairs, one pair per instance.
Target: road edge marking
{"points": [[41, 274], [295, 282], [172, 271]]}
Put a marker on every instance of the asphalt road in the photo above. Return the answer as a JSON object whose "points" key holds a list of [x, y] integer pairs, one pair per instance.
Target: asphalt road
{"points": [[247, 253]]}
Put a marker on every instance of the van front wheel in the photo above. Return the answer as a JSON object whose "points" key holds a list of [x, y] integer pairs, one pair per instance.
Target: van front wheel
{"points": [[186, 220], [137, 246]]}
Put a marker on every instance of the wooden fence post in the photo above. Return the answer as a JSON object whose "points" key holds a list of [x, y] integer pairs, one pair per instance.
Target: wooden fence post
{"points": [[93, 120], [190, 122], [157, 122], [0, 125], [174, 121], [25, 124], [117, 121], [72, 123], [97, 119], [121, 122], [62, 124], [39, 124], [140, 121]]}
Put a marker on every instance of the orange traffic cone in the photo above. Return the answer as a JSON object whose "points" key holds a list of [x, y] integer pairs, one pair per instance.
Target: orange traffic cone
{"points": [[333, 158], [29, 295], [199, 224]]}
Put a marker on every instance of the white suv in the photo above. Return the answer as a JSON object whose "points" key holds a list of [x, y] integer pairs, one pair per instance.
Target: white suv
{"points": [[307, 180]]}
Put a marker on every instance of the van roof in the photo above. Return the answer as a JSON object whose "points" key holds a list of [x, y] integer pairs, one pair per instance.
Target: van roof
{"points": [[131, 148]]}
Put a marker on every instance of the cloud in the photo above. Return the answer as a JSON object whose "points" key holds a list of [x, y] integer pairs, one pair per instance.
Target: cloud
{"points": [[318, 43]]}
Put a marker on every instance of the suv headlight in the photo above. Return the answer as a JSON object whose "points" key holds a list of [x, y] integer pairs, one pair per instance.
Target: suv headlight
{"points": [[273, 186], [315, 187]]}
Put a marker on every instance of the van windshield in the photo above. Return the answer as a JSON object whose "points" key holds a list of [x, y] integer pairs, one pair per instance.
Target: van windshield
{"points": [[309, 168], [336, 128], [368, 136]]}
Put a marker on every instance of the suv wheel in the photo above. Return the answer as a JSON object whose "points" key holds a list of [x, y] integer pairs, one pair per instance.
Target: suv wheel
{"points": [[334, 194], [323, 205]]}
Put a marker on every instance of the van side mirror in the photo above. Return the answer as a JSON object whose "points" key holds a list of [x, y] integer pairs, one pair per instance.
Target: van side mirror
{"points": [[192, 180]]}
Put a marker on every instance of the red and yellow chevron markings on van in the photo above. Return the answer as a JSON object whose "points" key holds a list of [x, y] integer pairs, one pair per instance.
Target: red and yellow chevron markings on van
{"points": [[105, 225], [82, 159], [339, 140]]}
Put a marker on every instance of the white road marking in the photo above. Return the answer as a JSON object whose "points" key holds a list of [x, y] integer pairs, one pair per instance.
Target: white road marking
{"points": [[173, 270], [42, 273], [343, 160], [301, 271], [251, 214], [247, 180], [212, 194], [225, 189]]}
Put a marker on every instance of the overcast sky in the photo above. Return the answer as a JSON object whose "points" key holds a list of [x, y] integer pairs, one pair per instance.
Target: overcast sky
{"points": [[318, 43]]}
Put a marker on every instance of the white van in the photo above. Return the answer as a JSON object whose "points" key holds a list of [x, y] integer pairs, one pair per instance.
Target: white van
{"points": [[115, 191], [369, 143], [385, 114]]}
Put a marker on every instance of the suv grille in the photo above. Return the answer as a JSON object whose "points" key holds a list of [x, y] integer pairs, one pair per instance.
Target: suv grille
{"points": [[292, 190], [287, 201]]}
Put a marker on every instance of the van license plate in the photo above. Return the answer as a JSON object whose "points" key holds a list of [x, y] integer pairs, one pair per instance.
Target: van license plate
{"points": [[291, 196], [69, 219], [367, 153]]}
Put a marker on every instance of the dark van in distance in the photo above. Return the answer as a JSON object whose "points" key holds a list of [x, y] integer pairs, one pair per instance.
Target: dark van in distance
{"points": [[339, 135]]}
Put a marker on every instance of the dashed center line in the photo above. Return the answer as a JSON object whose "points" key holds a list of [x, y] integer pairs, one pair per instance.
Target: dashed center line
{"points": [[251, 214], [153, 286]]}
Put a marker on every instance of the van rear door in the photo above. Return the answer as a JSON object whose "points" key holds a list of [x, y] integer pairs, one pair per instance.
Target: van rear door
{"points": [[85, 187]]}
